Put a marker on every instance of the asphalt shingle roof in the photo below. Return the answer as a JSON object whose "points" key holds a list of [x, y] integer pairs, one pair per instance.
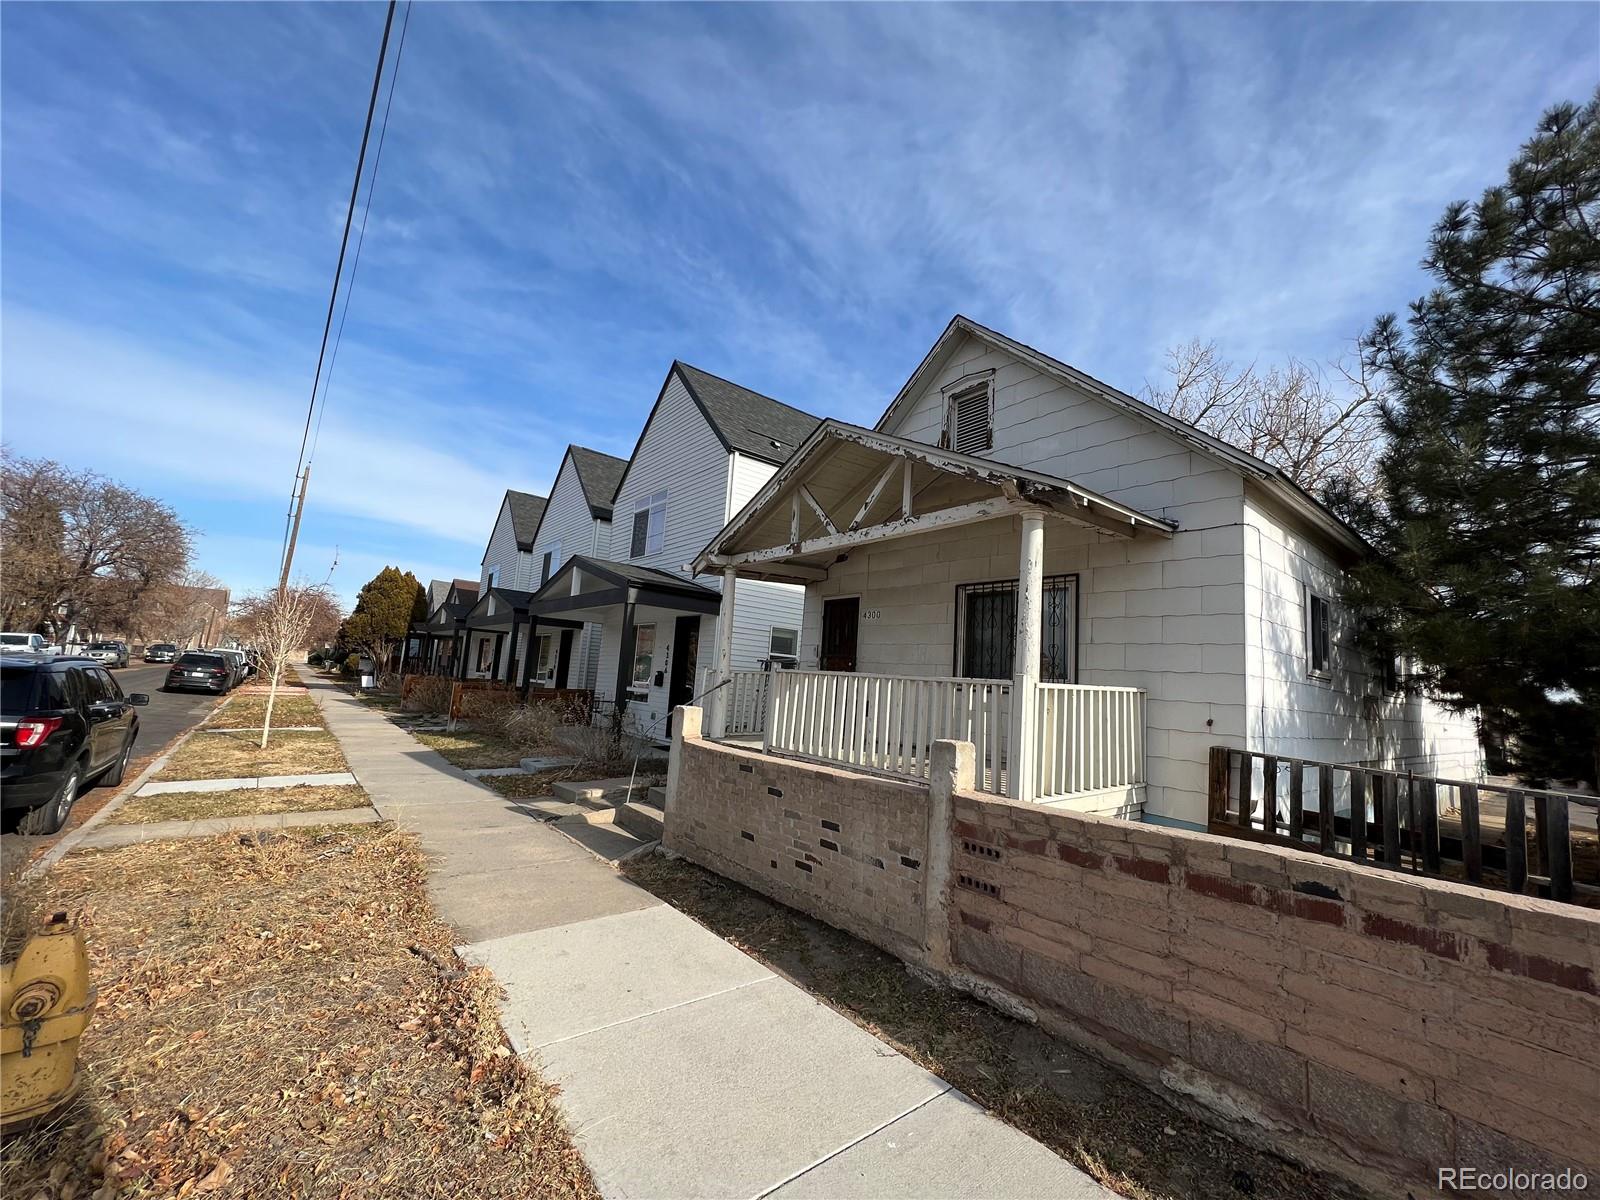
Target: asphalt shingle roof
{"points": [[749, 422], [526, 509], [599, 476]]}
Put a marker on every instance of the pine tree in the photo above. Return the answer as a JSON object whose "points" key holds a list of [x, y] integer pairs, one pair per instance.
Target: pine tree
{"points": [[1487, 518], [384, 610]]}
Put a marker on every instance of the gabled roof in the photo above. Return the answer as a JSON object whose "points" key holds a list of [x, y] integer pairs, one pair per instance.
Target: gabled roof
{"points": [[625, 580], [598, 476], [1272, 480], [747, 421], [526, 509]]}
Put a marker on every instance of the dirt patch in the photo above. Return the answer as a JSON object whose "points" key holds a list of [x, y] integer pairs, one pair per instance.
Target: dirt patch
{"points": [[1110, 1126], [241, 712], [529, 787], [237, 756], [285, 1016], [195, 806], [471, 749]]}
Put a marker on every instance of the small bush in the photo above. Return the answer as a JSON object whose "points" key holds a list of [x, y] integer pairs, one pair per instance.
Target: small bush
{"points": [[484, 707], [429, 694], [608, 749], [351, 664]]}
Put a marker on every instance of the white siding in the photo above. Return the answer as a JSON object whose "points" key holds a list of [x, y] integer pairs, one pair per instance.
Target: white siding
{"points": [[1166, 615], [1347, 716], [681, 454], [567, 528]]}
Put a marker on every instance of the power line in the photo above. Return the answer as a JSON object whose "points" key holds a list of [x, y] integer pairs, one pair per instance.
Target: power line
{"points": [[361, 238], [333, 296]]}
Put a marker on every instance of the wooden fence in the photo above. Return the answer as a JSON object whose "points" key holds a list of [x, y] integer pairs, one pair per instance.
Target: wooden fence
{"points": [[1397, 819]]}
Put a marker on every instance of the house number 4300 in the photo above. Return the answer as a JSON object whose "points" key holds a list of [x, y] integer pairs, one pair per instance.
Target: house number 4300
{"points": [[872, 614]]}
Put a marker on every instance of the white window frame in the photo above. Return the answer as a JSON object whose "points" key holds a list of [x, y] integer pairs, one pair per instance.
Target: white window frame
{"points": [[785, 659], [544, 658], [494, 578], [649, 656], [655, 533], [554, 551], [961, 389], [1313, 599]]}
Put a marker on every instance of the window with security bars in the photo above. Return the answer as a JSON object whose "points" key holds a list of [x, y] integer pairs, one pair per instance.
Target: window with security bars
{"points": [[968, 428], [986, 629]]}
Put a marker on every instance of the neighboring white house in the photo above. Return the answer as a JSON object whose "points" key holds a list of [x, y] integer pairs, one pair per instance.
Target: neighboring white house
{"points": [[434, 644], [576, 520], [509, 568], [706, 448], [1013, 529]]}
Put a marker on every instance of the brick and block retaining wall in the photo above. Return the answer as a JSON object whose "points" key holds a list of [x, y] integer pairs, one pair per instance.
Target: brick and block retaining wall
{"points": [[1375, 1023]]}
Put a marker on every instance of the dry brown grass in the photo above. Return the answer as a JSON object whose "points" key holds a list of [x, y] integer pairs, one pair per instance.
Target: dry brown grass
{"points": [[470, 749], [1107, 1124], [243, 712], [236, 756], [196, 806], [287, 1018]]}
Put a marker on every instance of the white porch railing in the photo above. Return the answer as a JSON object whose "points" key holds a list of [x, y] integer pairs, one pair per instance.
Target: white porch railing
{"points": [[745, 702], [1089, 738], [888, 722]]}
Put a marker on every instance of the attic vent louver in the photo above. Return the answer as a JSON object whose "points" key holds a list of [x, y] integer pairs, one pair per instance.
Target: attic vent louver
{"points": [[970, 424]]}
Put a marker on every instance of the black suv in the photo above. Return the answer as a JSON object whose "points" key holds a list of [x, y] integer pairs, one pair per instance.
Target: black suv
{"points": [[64, 722]]}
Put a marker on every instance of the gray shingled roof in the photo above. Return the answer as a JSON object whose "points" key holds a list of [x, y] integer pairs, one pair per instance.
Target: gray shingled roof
{"points": [[599, 476], [526, 509], [747, 421]]}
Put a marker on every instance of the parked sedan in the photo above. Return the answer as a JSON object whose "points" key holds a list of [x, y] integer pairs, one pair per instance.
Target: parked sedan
{"points": [[238, 662], [199, 672], [108, 654], [161, 652]]}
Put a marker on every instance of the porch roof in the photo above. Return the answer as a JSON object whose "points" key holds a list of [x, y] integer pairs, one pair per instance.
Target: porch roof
{"points": [[821, 503], [498, 610], [584, 586]]}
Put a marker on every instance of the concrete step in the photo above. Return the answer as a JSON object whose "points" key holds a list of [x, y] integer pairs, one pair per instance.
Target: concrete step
{"points": [[641, 820], [546, 808], [656, 797], [547, 763], [612, 843], [596, 793]]}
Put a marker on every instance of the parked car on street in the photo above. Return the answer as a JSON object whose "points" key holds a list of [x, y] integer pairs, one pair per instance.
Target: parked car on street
{"points": [[238, 667], [160, 652], [112, 654], [199, 671], [64, 723], [28, 643]]}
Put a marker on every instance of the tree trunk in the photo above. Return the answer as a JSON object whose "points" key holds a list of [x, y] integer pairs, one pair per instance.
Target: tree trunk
{"points": [[272, 694]]}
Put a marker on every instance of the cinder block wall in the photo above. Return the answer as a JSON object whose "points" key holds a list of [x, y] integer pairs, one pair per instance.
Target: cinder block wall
{"points": [[1414, 1024], [850, 849], [1374, 1024]]}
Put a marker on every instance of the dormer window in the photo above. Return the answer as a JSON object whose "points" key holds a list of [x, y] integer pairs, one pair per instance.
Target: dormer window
{"points": [[969, 414]]}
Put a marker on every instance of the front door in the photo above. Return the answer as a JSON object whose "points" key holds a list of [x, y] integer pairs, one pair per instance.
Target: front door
{"points": [[839, 621], [564, 658], [685, 660]]}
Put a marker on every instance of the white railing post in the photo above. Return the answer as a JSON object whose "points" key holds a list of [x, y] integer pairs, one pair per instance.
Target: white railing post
{"points": [[719, 710], [1023, 783]]}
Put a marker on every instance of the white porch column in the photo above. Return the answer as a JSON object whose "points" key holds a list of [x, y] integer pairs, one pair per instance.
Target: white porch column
{"points": [[719, 710], [1024, 781]]}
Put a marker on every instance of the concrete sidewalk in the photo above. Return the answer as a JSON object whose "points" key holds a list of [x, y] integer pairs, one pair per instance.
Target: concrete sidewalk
{"points": [[686, 1068]]}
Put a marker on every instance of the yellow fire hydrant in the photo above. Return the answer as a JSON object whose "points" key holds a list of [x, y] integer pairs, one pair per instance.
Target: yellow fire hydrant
{"points": [[46, 1001]]}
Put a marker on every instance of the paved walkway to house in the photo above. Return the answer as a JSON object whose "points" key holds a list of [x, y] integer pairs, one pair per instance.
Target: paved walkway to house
{"points": [[687, 1069], [115, 834]]}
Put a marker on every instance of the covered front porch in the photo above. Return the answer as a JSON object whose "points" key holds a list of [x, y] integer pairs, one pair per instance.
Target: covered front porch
{"points": [[943, 595], [650, 634]]}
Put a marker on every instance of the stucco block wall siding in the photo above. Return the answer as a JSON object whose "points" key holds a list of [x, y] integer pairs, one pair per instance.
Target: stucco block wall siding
{"points": [[1408, 1023], [850, 849], [1347, 716]]}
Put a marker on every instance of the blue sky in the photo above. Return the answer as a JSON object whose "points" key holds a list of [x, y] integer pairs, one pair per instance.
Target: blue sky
{"points": [[796, 197]]}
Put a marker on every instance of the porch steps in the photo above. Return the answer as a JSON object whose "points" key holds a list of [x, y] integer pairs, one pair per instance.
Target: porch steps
{"points": [[548, 763], [657, 798], [602, 792], [642, 818]]}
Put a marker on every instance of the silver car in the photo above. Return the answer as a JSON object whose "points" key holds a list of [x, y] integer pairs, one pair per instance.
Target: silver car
{"points": [[112, 654]]}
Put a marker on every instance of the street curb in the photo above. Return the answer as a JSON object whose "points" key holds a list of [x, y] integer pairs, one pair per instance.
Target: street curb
{"points": [[71, 842]]}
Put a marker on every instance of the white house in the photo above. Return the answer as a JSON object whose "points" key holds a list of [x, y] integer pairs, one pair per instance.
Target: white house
{"points": [[576, 520], [706, 448], [508, 574], [1091, 591]]}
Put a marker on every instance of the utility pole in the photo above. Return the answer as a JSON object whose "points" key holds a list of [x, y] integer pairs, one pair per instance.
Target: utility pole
{"points": [[294, 532]]}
